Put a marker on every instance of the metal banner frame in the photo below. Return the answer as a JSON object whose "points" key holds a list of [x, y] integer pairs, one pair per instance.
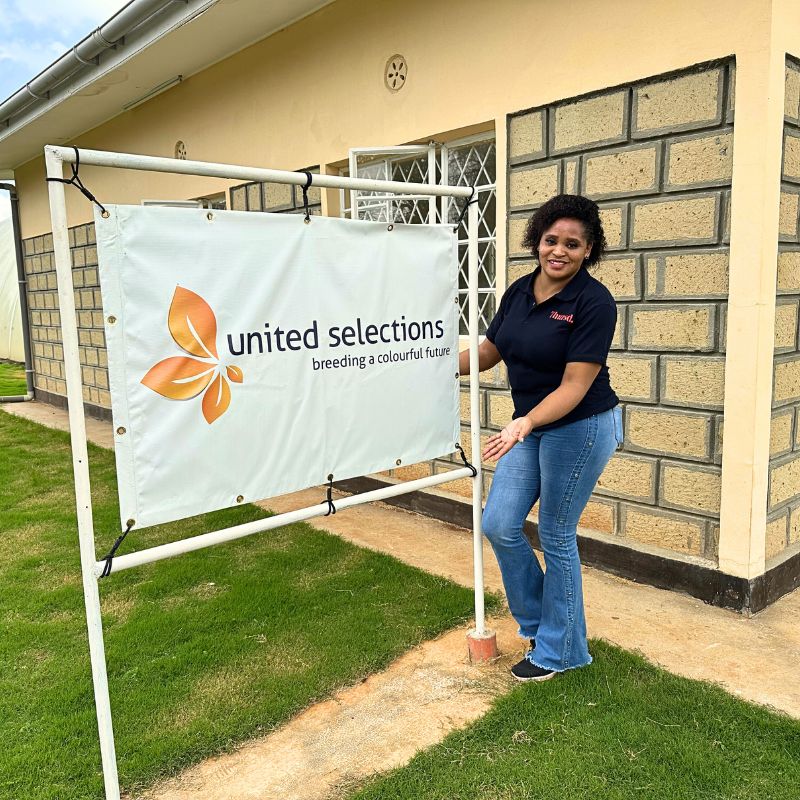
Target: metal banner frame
{"points": [[91, 568]]}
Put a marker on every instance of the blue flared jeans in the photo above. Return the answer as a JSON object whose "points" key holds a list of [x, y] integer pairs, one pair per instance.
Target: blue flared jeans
{"points": [[559, 468]]}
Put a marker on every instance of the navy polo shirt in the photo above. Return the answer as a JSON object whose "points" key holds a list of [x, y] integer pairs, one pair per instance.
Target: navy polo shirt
{"points": [[537, 341]]}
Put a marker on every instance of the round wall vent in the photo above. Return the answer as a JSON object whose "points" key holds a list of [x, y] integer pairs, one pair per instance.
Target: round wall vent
{"points": [[395, 73], [180, 150]]}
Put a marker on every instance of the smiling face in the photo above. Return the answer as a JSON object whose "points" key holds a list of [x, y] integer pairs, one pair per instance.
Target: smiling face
{"points": [[563, 249]]}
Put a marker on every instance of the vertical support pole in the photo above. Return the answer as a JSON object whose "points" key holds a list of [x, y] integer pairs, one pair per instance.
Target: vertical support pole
{"points": [[80, 468], [482, 643], [474, 414]]}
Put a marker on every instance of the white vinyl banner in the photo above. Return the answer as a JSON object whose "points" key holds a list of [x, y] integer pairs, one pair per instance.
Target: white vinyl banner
{"points": [[252, 355]]}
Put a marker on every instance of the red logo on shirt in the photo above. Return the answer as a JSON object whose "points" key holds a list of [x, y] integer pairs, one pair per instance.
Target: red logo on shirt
{"points": [[564, 317]]}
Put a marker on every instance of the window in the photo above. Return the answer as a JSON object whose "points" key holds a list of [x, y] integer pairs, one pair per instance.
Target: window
{"points": [[465, 162]]}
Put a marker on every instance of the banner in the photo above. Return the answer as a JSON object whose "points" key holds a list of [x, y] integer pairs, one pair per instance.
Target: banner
{"points": [[251, 355]]}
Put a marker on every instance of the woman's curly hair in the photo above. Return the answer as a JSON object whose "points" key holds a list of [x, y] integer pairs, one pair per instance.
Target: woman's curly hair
{"points": [[570, 206]]}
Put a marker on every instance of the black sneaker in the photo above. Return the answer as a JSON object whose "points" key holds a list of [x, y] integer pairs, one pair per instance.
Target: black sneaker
{"points": [[533, 645], [526, 671]]}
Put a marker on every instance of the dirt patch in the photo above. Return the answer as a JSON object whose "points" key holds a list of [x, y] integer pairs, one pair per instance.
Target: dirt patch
{"points": [[374, 726]]}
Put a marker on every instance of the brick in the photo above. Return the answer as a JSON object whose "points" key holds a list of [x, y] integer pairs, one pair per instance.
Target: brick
{"points": [[620, 332], [789, 272], [791, 98], [531, 186], [670, 531], [679, 327], [797, 428], [693, 382], [633, 378], [81, 238], [777, 535], [784, 481], [598, 516], [78, 257], [726, 217], [786, 380], [614, 220], [678, 433], [238, 198], [626, 171], [791, 157], [518, 269], [688, 101], [414, 471], [686, 488], [700, 160], [786, 326], [277, 195], [571, 173], [794, 526], [254, 197], [598, 120], [622, 276], [629, 477], [692, 220], [501, 407], [686, 276], [780, 432], [104, 398], [711, 549], [465, 409], [787, 220], [516, 232], [526, 135]]}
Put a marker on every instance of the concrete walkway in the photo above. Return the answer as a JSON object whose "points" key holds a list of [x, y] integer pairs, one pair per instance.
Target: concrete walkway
{"points": [[433, 690]]}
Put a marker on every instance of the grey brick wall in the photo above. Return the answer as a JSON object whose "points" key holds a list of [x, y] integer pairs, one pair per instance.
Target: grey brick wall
{"points": [[657, 157], [45, 318], [783, 509]]}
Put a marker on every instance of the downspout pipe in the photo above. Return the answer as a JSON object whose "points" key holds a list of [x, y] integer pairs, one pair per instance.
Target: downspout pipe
{"points": [[23, 299]]}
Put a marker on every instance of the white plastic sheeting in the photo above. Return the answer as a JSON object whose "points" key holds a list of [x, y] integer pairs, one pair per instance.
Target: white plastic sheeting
{"points": [[252, 355], [11, 346]]}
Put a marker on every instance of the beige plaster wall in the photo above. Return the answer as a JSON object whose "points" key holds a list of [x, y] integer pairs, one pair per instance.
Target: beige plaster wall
{"points": [[308, 93]]}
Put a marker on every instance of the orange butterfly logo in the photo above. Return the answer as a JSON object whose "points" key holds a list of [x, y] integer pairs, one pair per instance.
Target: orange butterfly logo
{"points": [[194, 327]]}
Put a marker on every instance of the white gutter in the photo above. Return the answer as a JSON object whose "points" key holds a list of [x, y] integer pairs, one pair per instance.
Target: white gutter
{"points": [[135, 15]]}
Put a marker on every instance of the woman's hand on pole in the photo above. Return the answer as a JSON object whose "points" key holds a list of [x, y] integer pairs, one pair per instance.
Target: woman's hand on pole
{"points": [[500, 443]]}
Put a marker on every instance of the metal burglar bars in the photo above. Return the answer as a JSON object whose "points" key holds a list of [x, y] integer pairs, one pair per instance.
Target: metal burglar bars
{"points": [[55, 158]]}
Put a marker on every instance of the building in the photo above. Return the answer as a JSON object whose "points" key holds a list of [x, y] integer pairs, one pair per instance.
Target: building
{"points": [[683, 123]]}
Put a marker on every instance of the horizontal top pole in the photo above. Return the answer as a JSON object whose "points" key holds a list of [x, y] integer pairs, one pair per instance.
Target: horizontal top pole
{"points": [[103, 158]]}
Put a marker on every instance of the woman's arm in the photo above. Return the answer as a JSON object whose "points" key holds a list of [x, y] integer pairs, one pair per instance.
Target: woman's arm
{"points": [[488, 356], [578, 377]]}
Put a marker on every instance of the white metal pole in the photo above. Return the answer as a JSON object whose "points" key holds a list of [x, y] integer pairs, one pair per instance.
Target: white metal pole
{"points": [[257, 526], [475, 422], [102, 158], [80, 467]]}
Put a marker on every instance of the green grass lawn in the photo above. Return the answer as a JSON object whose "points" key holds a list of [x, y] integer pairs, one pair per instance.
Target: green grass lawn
{"points": [[12, 379], [204, 650], [617, 730]]}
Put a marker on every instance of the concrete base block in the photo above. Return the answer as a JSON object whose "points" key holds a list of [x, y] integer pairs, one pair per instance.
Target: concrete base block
{"points": [[482, 647]]}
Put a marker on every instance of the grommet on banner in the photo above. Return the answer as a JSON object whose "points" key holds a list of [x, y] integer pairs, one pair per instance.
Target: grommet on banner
{"points": [[110, 557], [390, 227], [78, 184], [469, 202], [331, 506], [464, 459], [309, 179]]}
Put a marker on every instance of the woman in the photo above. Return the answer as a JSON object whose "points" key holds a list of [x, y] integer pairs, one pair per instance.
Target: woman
{"points": [[553, 330]]}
